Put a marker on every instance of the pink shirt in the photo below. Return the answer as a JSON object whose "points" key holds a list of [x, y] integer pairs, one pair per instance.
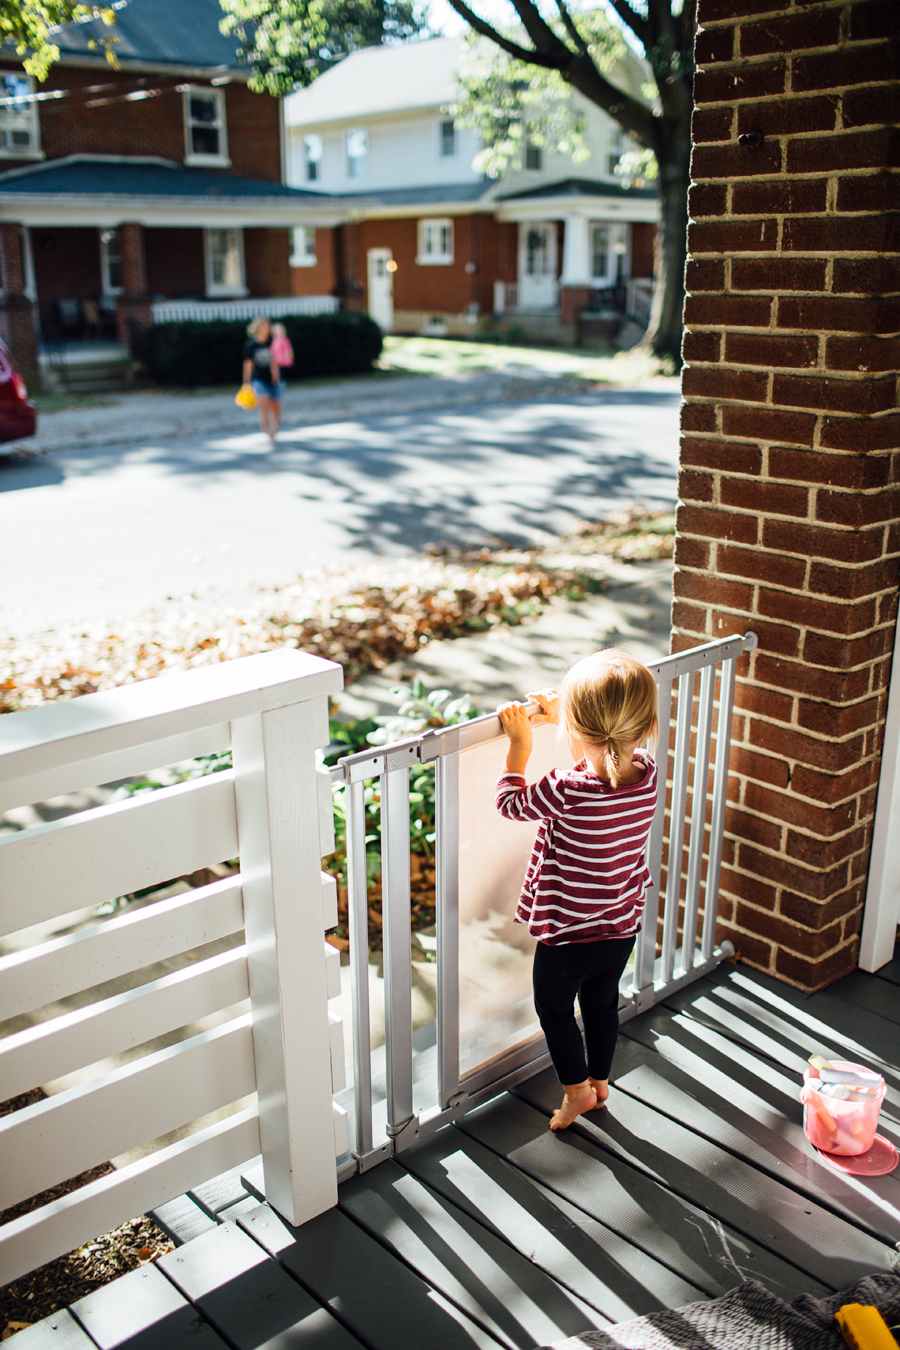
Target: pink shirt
{"points": [[587, 874], [282, 352]]}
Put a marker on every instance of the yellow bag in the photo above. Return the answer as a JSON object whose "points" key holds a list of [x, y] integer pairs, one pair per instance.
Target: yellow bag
{"points": [[245, 398]]}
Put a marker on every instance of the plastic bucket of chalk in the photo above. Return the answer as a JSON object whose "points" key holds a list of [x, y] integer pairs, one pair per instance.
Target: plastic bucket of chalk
{"points": [[843, 1127]]}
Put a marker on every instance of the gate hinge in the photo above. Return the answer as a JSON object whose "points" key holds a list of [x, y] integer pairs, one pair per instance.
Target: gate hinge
{"points": [[402, 1136], [458, 1100]]}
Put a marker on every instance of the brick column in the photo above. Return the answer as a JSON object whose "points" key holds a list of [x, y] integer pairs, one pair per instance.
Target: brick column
{"points": [[17, 326], [790, 472], [133, 316]]}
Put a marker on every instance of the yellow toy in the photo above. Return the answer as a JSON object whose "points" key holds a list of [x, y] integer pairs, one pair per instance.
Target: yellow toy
{"points": [[245, 398], [864, 1328]]}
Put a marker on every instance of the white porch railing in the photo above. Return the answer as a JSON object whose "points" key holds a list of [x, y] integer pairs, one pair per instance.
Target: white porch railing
{"points": [[638, 299], [506, 297], [272, 711], [486, 1037], [182, 311]]}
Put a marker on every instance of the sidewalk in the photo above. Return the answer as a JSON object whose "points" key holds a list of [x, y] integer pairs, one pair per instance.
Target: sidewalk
{"points": [[158, 415]]}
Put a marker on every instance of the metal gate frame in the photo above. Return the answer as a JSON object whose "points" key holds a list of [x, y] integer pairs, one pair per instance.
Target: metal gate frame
{"points": [[653, 977]]}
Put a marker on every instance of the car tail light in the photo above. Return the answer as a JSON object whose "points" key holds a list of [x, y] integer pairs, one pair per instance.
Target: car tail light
{"points": [[19, 385]]}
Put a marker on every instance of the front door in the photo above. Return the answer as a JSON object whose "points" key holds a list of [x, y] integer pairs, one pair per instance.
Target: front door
{"points": [[381, 287], [537, 267]]}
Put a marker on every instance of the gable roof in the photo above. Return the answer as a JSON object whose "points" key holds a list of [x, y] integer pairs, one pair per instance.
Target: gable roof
{"points": [[176, 33], [380, 80]]}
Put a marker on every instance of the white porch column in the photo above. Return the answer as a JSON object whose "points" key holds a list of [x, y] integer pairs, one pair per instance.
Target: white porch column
{"points": [[576, 268]]}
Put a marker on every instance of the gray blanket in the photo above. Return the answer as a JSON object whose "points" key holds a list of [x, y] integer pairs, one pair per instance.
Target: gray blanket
{"points": [[747, 1318]]}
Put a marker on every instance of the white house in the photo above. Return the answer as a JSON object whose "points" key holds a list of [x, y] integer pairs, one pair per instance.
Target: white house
{"points": [[408, 229]]}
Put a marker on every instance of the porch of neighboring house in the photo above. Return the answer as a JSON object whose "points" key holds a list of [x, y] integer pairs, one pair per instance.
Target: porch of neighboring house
{"points": [[460, 1220], [584, 275], [95, 250]]}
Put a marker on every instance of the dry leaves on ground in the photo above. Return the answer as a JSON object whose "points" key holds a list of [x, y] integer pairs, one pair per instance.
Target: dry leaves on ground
{"points": [[363, 617]]}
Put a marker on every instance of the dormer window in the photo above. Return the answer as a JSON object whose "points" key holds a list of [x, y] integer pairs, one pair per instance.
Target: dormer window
{"points": [[205, 134], [19, 129]]}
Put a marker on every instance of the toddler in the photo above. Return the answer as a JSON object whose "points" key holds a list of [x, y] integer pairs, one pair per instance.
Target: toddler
{"points": [[583, 893], [282, 351]]}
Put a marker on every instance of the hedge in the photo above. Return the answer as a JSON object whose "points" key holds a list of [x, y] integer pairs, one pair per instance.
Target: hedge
{"points": [[196, 353]]}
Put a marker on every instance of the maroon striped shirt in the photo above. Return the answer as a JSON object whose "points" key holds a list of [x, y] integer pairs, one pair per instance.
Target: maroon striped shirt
{"points": [[587, 873]]}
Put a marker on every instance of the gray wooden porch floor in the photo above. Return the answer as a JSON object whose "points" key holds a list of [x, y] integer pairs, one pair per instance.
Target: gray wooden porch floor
{"points": [[495, 1232]]}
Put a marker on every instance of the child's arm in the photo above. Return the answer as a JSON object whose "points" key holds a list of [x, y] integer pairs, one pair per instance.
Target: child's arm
{"points": [[514, 720]]}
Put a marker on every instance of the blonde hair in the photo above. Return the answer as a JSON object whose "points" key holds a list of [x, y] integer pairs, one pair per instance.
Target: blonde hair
{"points": [[609, 700], [279, 330], [254, 325]]}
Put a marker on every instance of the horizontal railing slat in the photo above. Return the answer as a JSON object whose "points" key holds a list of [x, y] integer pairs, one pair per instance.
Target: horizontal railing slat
{"points": [[109, 768], [133, 1105], [63, 1044], [48, 1232], [135, 714], [111, 850], [104, 951]]}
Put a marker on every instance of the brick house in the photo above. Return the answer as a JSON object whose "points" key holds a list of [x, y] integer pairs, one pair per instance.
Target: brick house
{"points": [[161, 181], [415, 234], [789, 521]]}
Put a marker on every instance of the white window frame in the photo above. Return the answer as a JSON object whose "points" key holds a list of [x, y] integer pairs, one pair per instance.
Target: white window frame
{"points": [[309, 163], [435, 257], [192, 157], [303, 246], [30, 119], [106, 286], [216, 289], [362, 160], [619, 245], [439, 134]]}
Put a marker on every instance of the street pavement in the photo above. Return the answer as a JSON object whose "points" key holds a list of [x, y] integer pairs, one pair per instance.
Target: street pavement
{"points": [[166, 507]]}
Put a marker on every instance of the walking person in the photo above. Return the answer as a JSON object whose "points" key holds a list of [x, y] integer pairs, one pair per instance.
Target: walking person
{"points": [[261, 372], [583, 893]]}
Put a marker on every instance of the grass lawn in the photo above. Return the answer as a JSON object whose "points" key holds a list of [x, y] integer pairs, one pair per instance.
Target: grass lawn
{"points": [[453, 356]]}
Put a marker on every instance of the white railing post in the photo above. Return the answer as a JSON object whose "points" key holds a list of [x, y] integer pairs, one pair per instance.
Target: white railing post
{"points": [[276, 792]]}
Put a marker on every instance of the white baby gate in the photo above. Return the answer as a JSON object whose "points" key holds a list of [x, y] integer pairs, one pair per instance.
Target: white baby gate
{"points": [[485, 1036]]}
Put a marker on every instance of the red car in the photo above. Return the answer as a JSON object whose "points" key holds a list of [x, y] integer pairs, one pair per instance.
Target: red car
{"points": [[17, 413]]}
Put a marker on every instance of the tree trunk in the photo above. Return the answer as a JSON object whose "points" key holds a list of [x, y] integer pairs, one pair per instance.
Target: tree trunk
{"points": [[673, 154]]}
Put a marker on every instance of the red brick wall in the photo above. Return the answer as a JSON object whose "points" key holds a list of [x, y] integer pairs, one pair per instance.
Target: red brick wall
{"points": [[266, 254], [153, 126], [323, 278], [643, 237], [175, 264], [789, 460], [66, 266]]}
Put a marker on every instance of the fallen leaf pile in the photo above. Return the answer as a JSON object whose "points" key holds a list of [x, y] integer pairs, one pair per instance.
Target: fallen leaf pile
{"points": [[363, 617]]}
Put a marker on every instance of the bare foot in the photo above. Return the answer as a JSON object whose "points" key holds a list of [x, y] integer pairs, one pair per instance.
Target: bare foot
{"points": [[601, 1088], [579, 1097]]}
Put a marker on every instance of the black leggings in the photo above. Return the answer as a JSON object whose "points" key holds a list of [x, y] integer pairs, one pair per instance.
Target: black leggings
{"points": [[591, 970]]}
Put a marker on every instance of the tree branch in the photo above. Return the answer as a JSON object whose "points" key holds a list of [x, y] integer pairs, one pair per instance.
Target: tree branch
{"points": [[569, 24], [541, 34], [629, 16], [511, 48]]}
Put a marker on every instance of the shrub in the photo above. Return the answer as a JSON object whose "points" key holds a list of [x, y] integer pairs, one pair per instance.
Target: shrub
{"points": [[195, 353]]}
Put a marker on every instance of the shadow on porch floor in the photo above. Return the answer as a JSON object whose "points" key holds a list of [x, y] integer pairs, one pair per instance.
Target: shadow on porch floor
{"points": [[496, 1232]]}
